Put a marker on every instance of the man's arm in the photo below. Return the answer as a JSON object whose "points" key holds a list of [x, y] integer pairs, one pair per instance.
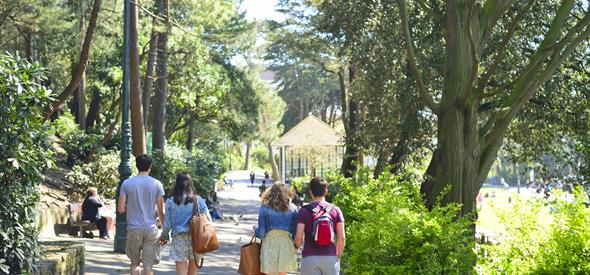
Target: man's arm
{"points": [[299, 235], [160, 204], [341, 242], [121, 203]]}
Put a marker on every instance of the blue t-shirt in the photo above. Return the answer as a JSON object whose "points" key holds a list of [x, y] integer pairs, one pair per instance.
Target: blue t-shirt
{"points": [[142, 194]]}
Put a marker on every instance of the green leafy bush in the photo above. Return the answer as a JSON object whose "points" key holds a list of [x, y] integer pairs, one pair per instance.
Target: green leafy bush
{"points": [[390, 231], [102, 173], [23, 155], [78, 145], [259, 158], [552, 238], [204, 166], [64, 125], [334, 179]]}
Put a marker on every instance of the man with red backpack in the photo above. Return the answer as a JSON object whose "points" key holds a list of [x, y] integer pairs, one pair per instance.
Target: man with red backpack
{"points": [[322, 224]]}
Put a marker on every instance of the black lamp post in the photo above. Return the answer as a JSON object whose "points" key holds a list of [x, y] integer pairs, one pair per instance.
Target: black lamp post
{"points": [[125, 165]]}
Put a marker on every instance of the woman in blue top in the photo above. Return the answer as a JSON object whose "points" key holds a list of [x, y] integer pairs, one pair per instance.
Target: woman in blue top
{"points": [[179, 210], [276, 228]]}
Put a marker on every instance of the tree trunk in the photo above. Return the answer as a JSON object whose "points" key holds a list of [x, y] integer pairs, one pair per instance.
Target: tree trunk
{"points": [[247, 157], [350, 111], [332, 114], [301, 114], [81, 103], [159, 125], [82, 62], [93, 110], [137, 130], [108, 135], [81, 92], [190, 136], [457, 161], [30, 44], [409, 129], [273, 164], [149, 77], [381, 162], [324, 112]]}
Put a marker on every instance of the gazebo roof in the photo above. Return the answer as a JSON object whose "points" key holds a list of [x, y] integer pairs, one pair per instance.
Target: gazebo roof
{"points": [[308, 132]]}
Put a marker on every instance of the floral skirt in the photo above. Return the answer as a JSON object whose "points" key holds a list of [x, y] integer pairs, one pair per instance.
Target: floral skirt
{"points": [[277, 253], [181, 248]]}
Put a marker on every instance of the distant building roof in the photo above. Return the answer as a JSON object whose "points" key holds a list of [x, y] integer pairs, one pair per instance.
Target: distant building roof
{"points": [[310, 131]]}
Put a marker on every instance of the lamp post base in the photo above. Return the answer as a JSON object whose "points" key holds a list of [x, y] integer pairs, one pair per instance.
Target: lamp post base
{"points": [[121, 233]]}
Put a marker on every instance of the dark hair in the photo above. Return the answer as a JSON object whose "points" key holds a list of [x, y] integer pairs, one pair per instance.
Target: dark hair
{"points": [[143, 162], [318, 187], [183, 189]]}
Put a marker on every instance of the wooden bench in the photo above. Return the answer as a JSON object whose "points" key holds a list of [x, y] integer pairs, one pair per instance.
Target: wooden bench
{"points": [[75, 212]]}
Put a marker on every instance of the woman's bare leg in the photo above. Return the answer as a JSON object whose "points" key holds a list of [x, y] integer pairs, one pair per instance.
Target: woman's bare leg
{"points": [[181, 268], [192, 267]]}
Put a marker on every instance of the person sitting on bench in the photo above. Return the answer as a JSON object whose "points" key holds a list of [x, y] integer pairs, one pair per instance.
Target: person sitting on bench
{"points": [[90, 212], [213, 205]]}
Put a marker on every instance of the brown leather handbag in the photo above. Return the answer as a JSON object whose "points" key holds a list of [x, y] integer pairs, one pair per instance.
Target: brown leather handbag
{"points": [[203, 236], [250, 258]]}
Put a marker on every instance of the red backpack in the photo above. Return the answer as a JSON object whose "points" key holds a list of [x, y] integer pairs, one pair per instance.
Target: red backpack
{"points": [[322, 224]]}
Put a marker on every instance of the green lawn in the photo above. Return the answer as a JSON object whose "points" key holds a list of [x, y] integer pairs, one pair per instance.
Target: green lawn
{"points": [[488, 217]]}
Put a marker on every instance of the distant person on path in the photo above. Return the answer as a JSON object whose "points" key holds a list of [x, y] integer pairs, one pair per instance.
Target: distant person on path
{"points": [[213, 205], [179, 211], [139, 197], [276, 228], [252, 177], [320, 257], [297, 197], [266, 176], [90, 211]]}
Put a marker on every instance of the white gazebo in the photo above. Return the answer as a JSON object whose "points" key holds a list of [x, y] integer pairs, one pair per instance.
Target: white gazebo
{"points": [[310, 145]]}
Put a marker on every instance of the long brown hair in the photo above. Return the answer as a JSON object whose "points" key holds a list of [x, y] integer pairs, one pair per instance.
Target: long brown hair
{"points": [[277, 197]]}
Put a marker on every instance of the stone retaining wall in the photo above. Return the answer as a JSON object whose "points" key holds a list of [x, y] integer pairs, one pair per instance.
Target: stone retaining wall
{"points": [[62, 258], [53, 221]]}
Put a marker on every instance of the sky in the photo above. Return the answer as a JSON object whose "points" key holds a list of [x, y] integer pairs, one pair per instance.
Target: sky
{"points": [[261, 9]]}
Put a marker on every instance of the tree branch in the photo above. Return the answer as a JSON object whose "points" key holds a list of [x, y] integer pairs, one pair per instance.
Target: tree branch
{"points": [[491, 12], [436, 16], [484, 80], [469, 88], [82, 62], [426, 98], [534, 75]]}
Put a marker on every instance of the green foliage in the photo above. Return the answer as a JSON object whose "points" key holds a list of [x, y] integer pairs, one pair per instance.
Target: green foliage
{"points": [[78, 145], [390, 231], [333, 179], [64, 125], [551, 238], [23, 155], [102, 173], [259, 158], [203, 166]]}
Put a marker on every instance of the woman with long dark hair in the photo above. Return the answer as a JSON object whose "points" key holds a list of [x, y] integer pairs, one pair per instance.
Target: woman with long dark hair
{"points": [[179, 210], [276, 228]]}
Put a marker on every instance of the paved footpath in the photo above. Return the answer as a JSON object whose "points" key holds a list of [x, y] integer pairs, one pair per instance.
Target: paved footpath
{"points": [[242, 200]]}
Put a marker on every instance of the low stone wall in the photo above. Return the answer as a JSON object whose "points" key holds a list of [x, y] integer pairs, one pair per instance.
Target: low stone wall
{"points": [[61, 257], [53, 221]]}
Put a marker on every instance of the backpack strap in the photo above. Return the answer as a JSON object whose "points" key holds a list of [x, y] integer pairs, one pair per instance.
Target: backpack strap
{"points": [[312, 209], [329, 208]]}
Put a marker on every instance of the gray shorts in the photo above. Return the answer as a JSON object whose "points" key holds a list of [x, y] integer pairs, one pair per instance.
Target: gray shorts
{"points": [[142, 246], [320, 265]]}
